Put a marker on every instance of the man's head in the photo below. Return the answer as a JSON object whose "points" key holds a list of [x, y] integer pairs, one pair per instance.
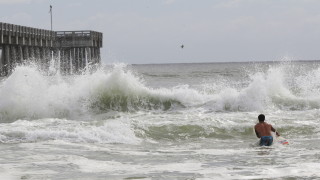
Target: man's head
{"points": [[261, 118]]}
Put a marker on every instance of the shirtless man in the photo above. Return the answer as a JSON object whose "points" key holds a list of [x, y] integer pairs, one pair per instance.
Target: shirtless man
{"points": [[263, 131]]}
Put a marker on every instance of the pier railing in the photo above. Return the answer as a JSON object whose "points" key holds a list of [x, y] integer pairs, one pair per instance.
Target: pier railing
{"points": [[75, 49], [22, 35], [79, 39]]}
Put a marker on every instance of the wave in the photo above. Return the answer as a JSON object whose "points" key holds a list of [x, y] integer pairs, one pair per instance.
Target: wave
{"points": [[183, 132], [122, 132], [111, 131], [28, 94], [157, 128], [189, 132], [278, 88]]}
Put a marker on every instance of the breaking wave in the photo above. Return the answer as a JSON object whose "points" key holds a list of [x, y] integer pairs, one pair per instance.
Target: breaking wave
{"points": [[27, 94]]}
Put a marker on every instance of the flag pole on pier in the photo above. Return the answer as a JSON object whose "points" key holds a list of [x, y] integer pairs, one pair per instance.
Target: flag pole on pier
{"points": [[51, 15]]}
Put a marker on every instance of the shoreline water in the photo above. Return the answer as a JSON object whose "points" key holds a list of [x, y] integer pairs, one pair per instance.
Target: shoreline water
{"points": [[183, 121]]}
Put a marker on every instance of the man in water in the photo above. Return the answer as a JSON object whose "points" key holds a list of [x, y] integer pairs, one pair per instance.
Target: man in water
{"points": [[263, 131]]}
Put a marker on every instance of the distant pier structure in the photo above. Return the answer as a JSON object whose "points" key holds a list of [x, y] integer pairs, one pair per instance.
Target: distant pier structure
{"points": [[71, 51]]}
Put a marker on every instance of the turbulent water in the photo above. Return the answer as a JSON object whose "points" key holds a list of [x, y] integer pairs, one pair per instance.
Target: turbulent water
{"points": [[170, 121]]}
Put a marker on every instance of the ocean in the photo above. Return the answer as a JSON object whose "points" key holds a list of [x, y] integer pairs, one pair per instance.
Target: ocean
{"points": [[161, 121]]}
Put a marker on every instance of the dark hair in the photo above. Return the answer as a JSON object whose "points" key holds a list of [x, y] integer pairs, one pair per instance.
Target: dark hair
{"points": [[261, 117]]}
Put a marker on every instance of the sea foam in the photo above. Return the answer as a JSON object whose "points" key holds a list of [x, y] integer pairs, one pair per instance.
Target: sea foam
{"points": [[28, 94]]}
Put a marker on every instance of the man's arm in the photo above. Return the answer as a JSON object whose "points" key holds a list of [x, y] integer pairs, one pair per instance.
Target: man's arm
{"points": [[257, 133], [274, 130]]}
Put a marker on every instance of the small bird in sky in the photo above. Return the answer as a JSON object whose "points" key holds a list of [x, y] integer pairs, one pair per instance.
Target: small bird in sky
{"points": [[182, 46]]}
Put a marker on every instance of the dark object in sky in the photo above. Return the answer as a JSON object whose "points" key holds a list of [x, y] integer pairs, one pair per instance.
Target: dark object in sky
{"points": [[182, 46]]}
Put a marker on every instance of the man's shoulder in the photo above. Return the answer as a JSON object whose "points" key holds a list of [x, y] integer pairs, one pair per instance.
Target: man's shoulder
{"points": [[268, 124], [262, 124], [257, 125]]}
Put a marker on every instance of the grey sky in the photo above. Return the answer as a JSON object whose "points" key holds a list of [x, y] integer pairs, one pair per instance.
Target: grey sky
{"points": [[152, 31]]}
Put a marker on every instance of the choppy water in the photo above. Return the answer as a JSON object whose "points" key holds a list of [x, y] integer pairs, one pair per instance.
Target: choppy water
{"points": [[171, 121]]}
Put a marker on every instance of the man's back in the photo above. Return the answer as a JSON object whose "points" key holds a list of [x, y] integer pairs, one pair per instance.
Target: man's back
{"points": [[263, 129]]}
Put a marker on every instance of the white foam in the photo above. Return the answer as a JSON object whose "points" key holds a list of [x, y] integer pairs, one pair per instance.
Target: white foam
{"points": [[27, 94], [8, 176], [112, 131], [117, 168], [273, 89]]}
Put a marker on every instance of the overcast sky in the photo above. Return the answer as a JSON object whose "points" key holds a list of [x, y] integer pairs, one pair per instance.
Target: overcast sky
{"points": [[152, 31]]}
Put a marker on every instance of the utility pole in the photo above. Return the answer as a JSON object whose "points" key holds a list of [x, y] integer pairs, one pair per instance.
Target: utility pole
{"points": [[51, 15]]}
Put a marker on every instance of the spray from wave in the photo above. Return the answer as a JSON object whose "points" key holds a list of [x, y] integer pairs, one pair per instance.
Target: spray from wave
{"points": [[73, 108], [279, 87], [27, 94]]}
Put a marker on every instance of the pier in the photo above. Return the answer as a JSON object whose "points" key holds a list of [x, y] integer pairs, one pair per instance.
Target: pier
{"points": [[73, 50]]}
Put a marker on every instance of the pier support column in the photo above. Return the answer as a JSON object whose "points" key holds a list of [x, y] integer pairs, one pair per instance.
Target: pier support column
{"points": [[25, 53], [89, 56], [31, 54], [71, 61], [13, 55], [37, 55], [82, 60], [92, 55], [1, 61], [62, 62], [68, 60], [94, 60], [51, 62], [6, 60], [99, 55], [47, 57], [19, 55], [86, 60], [77, 60], [42, 59]]}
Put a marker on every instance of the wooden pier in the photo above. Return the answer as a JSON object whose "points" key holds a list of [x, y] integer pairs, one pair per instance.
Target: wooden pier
{"points": [[75, 50]]}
